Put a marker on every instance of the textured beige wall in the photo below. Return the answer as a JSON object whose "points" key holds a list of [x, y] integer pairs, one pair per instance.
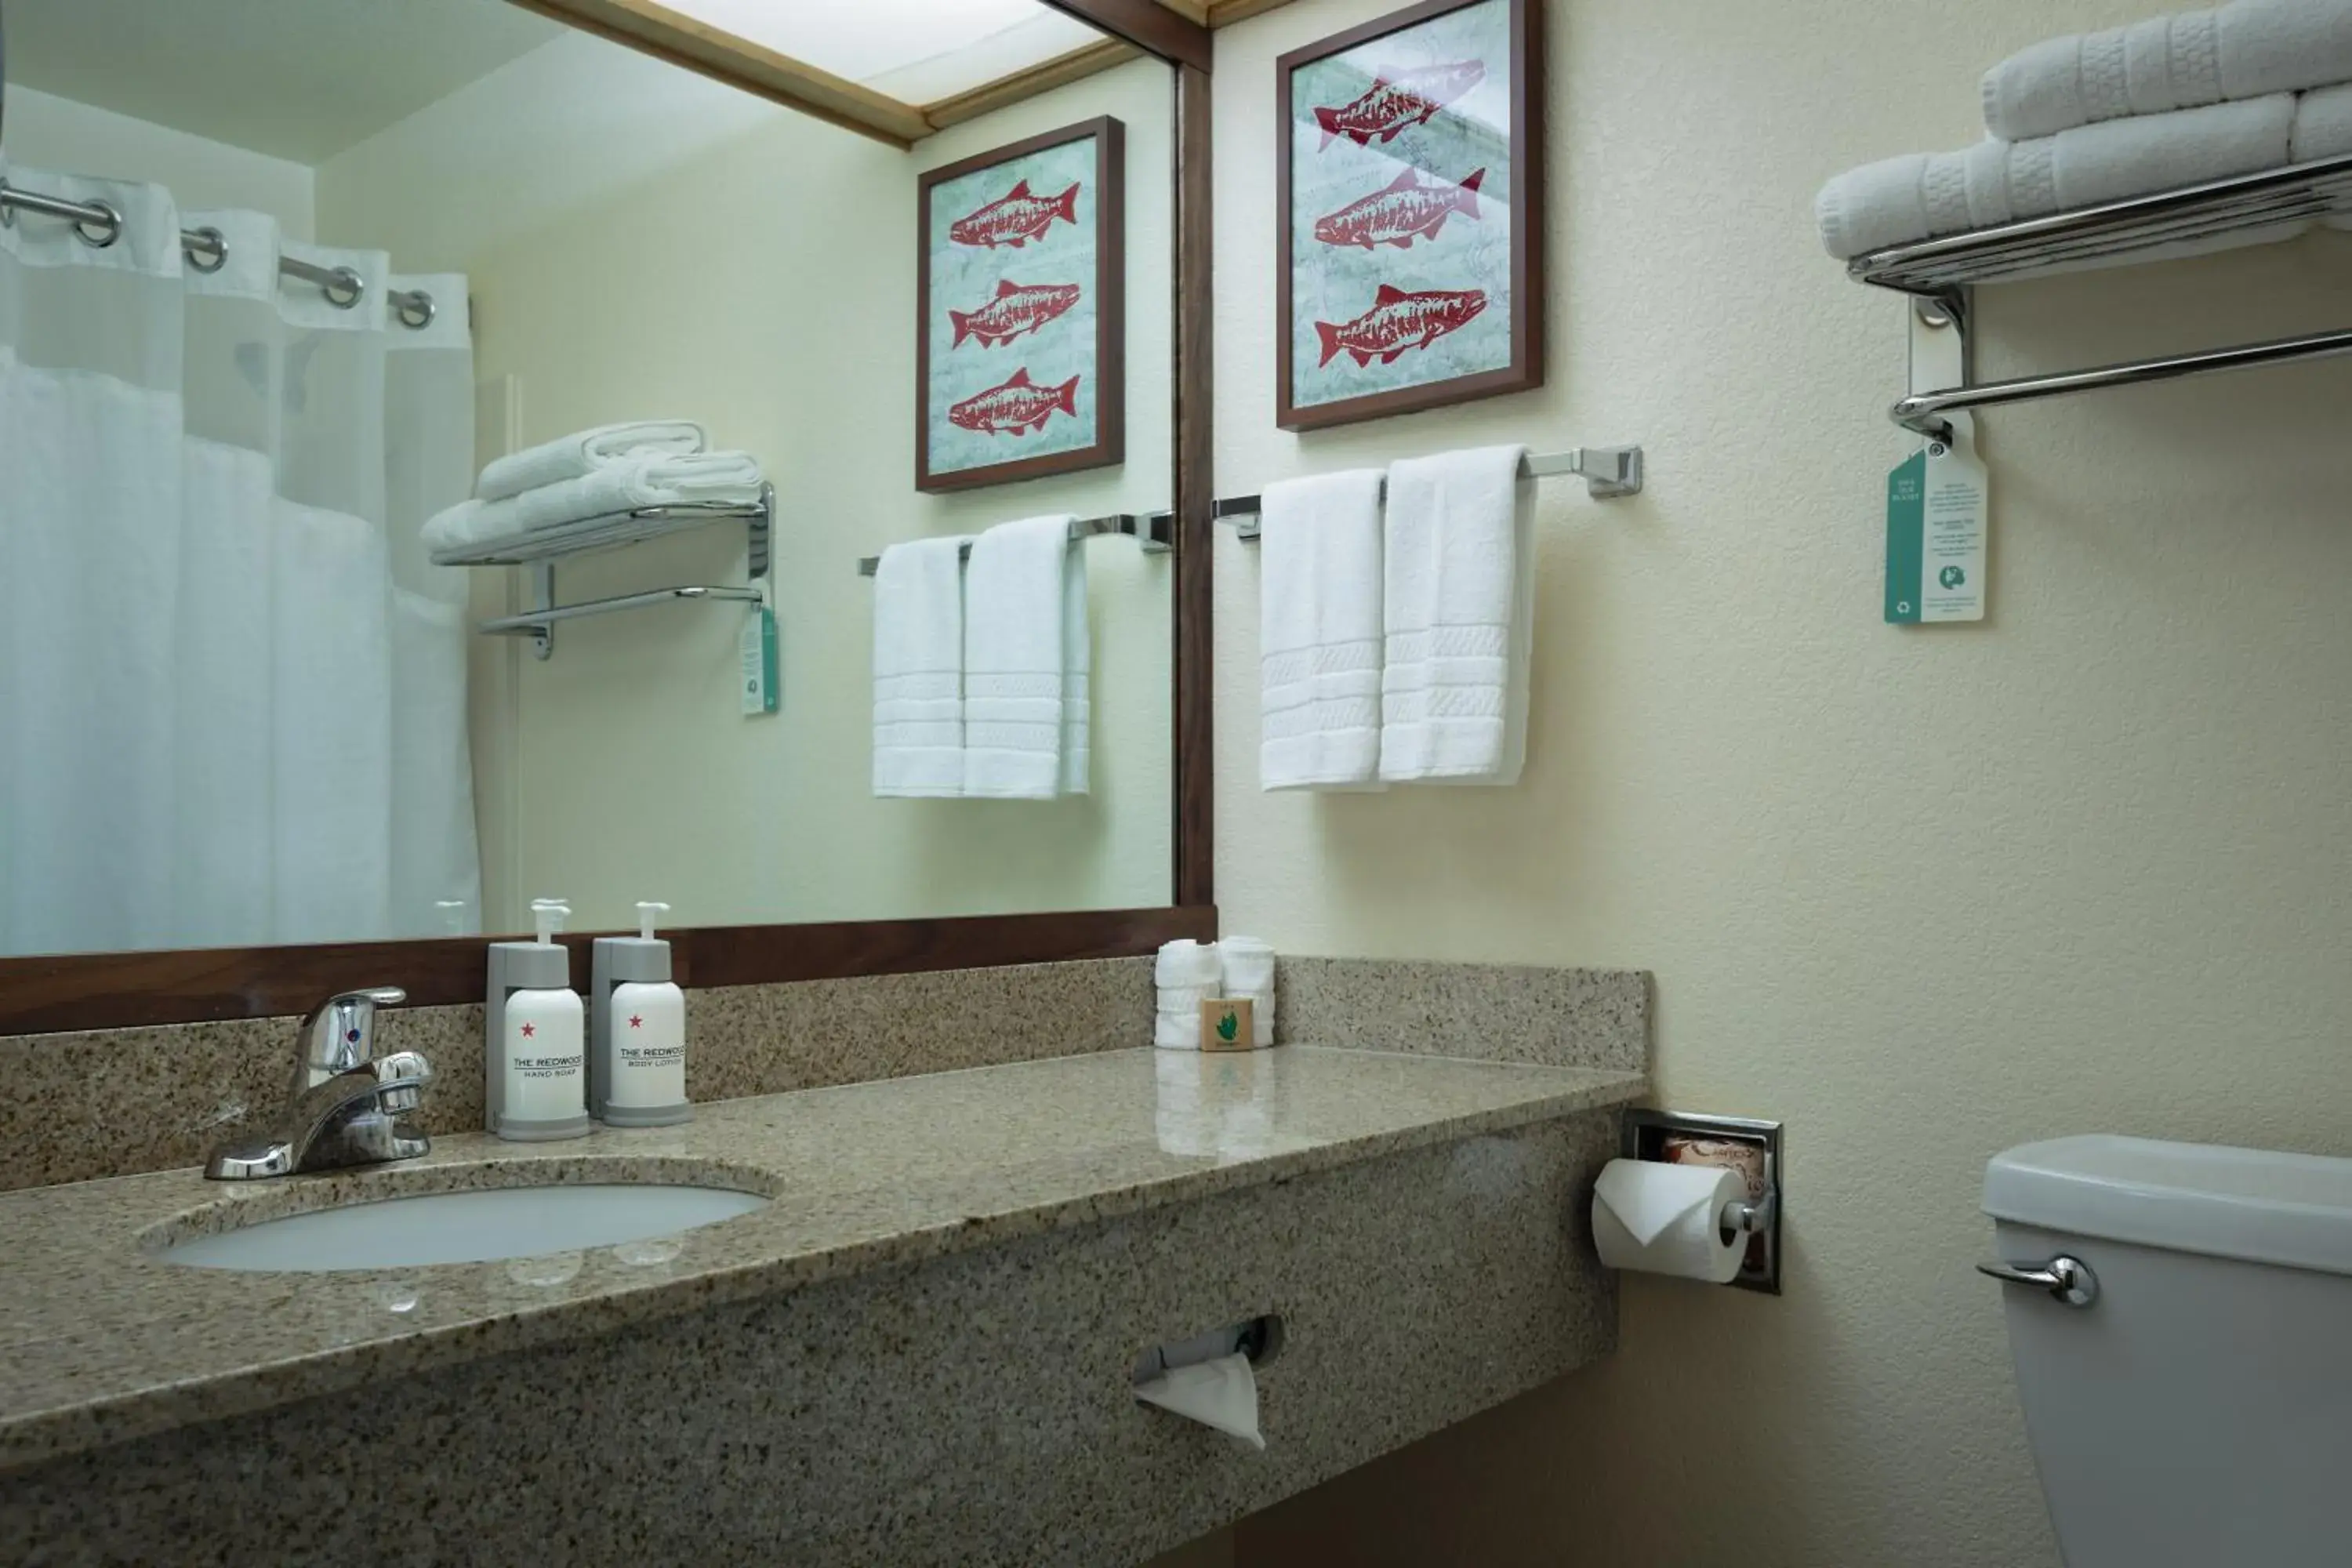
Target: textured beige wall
{"points": [[1923, 894], [755, 270]]}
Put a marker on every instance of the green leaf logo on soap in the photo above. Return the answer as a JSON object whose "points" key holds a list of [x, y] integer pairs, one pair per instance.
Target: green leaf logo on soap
{"points": [[1229, 1025]]}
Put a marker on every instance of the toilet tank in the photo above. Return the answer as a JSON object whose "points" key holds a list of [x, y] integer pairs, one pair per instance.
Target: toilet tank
{"points": [[2198, 1410]]}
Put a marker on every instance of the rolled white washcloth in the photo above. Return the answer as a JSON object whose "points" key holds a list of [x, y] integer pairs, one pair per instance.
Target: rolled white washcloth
{"points": [[1187, 974], [1249, 971]]}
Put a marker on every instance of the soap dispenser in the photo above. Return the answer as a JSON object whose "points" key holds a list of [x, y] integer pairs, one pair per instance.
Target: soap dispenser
{"points": [[636, 1030], [533, 1029]]}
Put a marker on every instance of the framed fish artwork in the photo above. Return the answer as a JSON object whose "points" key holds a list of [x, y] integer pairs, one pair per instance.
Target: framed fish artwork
{"points": [[1020, 345], [1409, 199]]}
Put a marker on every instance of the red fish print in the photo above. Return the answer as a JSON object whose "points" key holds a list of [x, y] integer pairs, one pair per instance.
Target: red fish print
{"points": [[1398, 322], [1400, 213], [1014, 218], [1398, 98], [1017, 308], [1017, 406]]}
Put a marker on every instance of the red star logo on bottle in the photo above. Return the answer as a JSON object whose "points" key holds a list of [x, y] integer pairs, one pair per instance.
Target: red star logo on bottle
{"points": [[636, 1021], [529, 1030]]}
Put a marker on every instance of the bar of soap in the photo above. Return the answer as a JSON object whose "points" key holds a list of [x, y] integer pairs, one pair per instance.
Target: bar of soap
{"points": [[1226, 1024]]}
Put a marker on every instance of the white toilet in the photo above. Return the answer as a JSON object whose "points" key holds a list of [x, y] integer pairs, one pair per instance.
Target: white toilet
{"points": [[2180, 1315]]}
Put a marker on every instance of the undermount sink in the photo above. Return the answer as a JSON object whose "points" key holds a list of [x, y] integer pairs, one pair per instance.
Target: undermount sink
{"points": [[472, 1227]]}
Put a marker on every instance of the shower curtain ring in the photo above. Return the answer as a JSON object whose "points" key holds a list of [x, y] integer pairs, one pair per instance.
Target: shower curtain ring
{"points": [[415, 310], [109, 218], [213, 243], [353, 285]]}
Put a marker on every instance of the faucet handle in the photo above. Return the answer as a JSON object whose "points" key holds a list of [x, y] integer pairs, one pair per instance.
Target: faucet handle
{"points": [[340, 1033]]}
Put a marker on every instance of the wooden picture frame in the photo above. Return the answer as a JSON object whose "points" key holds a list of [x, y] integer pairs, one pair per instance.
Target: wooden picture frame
{"points": [[1008, 281], [1398, 156]]}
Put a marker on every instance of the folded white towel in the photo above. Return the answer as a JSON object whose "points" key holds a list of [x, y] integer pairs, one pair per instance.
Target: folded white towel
{"points": [[1320, 632], [918, 669], [1077, 678], [1184, 1001], [1014, 651], [2323, 129], [2249, 50], [1459, 606], [1248, 965], [1172, 1032], [617, 486], [585, 451], [1921, 194]]}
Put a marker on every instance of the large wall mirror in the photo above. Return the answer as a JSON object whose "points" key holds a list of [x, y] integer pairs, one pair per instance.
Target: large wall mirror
{"points": [[292, 657]]}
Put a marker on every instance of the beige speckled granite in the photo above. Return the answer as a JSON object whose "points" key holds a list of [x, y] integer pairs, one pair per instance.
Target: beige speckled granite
{"points": [[1510, 1013], [100, 1341], [115, 1101], [972, 1410]]}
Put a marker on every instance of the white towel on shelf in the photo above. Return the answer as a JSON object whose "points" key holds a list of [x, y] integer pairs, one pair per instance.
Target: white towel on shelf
{"points": [[1248, 967], [584, 451], [1320, 632], [617, 486], [1922, 194], [1014, 651], [2250, 49], [918, 669], [1459, 604]]}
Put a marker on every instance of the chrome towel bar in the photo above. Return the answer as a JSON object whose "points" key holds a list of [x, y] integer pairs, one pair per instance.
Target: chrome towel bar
{"points": [[1609, 472], [1155, 530]]}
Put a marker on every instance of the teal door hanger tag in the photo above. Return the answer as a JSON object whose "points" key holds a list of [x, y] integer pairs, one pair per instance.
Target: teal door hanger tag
{"points": [[1938, 523]]}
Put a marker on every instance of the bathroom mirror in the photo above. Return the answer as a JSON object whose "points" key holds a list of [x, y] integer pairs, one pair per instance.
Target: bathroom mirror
{"points": [[354, 254]]}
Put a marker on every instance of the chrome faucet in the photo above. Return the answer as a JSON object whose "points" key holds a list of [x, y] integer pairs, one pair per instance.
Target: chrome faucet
{"points": [[346, 1102]]}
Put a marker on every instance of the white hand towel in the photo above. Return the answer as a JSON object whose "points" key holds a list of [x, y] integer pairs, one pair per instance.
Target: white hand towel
{"points": [[2250, 49], [1459, 604], [1248, 967], [1077, 678], [1186, 974], [616, 486], [1177, 1032], [1012, 658], [1320, 632], [1921, 194], [918, 669], [584, 451]]}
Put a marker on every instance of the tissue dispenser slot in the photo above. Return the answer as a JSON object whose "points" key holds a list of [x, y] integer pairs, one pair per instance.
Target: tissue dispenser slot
{"points": [[1259, 1339], [1654, 1135]]}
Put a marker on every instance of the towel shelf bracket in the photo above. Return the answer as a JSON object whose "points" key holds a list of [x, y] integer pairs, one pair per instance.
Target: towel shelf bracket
{"points": [[540, 550], [1610, 473], [1940, 274]]}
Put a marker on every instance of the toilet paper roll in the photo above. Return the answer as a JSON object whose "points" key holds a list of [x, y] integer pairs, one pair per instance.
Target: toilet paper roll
{"points": [[1222, 1394], [1667, 1219]]}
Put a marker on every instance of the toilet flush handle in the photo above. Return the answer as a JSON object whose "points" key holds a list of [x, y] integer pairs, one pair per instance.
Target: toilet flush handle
{"points": [[2069, 1280]]}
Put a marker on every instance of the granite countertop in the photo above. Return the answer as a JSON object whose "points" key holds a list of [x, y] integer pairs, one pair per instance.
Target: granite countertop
{"points": [[101, 1340]]}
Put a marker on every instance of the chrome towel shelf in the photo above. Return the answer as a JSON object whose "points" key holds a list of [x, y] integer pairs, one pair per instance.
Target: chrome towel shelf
{"points": [[1609, 473], [542, 548], [1155, 530], [1940, 273]]}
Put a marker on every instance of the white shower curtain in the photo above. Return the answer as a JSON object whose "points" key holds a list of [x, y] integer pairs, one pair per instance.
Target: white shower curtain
{"points": [[232, 688]]}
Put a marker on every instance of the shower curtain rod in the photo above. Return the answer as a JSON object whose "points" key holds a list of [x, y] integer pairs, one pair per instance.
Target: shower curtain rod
{"points": [[207, 251]]}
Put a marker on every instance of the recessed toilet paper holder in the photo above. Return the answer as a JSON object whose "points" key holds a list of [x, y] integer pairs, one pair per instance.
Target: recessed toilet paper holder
{"points": [[1678, 1137]]}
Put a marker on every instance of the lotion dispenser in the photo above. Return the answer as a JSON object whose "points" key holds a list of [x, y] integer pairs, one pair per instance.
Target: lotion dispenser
{"points": [[533, 1027], [636, 1030]]}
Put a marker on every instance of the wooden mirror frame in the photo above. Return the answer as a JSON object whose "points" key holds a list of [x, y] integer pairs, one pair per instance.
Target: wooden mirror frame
{"points": [[116, 990]]}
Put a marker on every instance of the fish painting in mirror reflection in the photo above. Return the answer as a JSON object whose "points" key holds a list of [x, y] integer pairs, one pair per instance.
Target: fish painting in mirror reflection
{"points": [[1017, 308], [1402, 211], [1014, 218], [1398, 322], [1018, 404], [1398, 98]]}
